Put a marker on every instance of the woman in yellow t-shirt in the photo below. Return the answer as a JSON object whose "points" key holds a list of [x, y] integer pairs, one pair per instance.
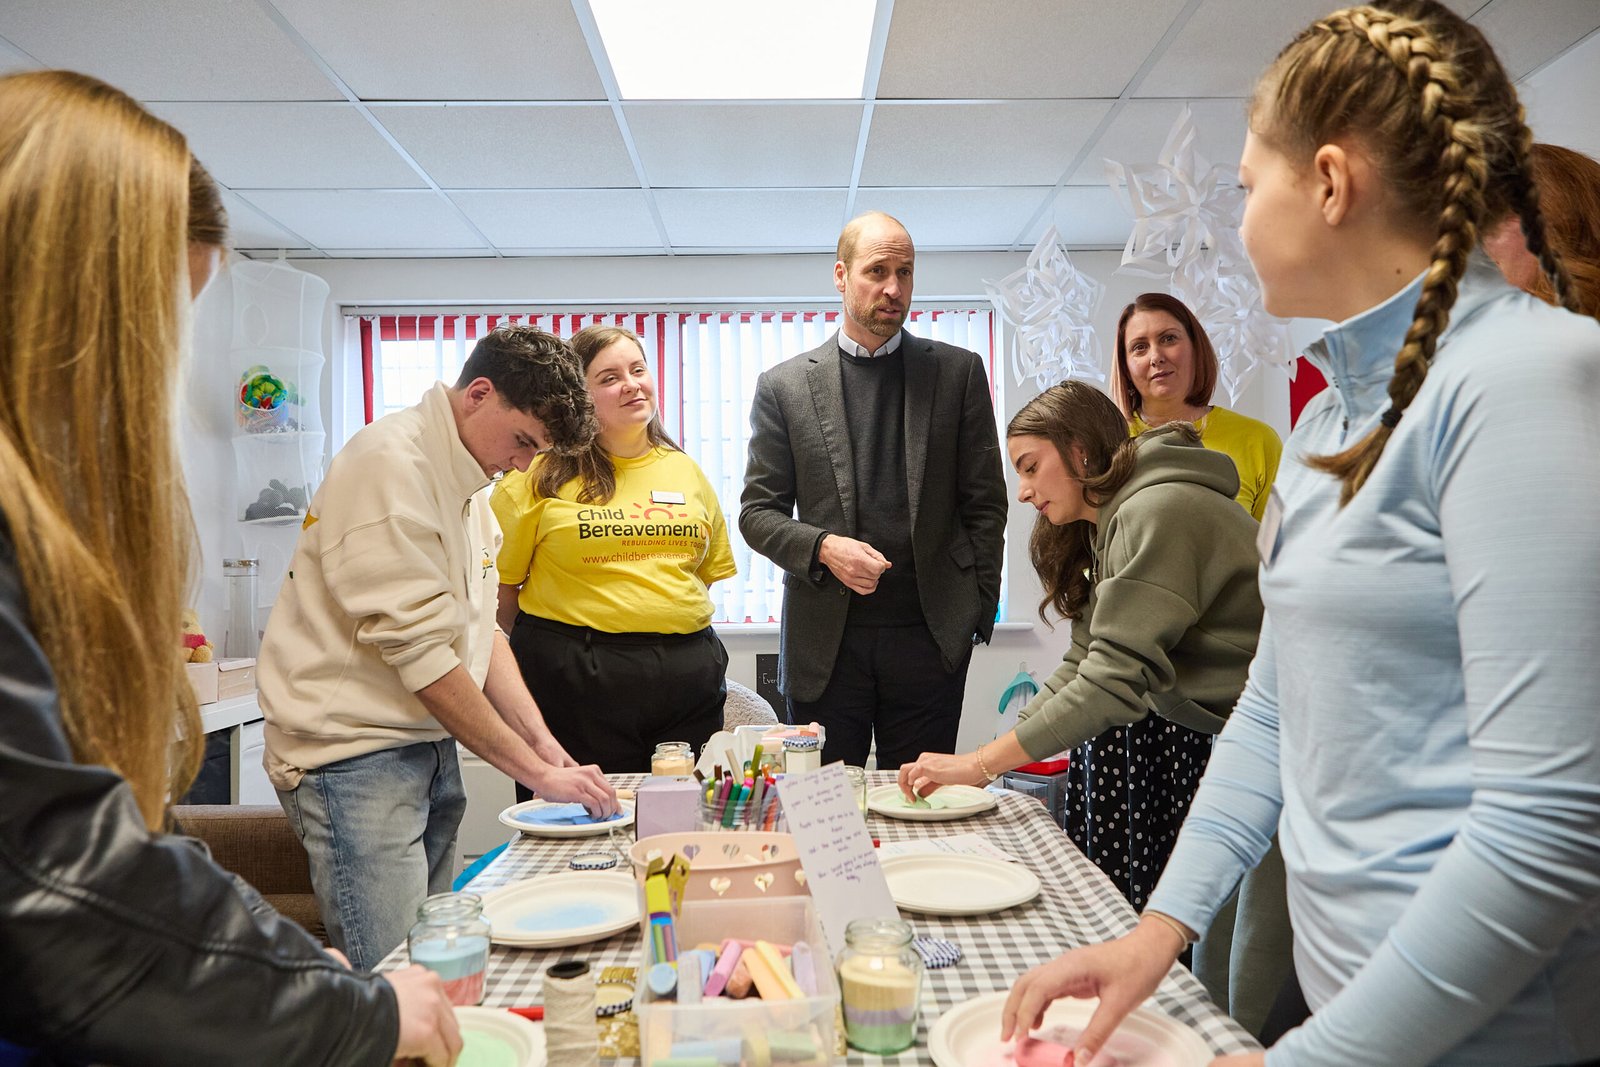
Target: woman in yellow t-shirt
{"points": [[604, 573], [1166, 370]]}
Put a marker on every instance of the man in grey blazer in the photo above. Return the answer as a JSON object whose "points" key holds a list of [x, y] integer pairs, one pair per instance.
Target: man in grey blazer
{"points": [[875, 483]]}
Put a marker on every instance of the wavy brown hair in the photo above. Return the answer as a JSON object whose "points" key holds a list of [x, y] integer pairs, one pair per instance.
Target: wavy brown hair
{"points": [[591, 464], [97, 207], [1124, 392], [1419, 88], [535, 372], [1569, 197], [1078, 418]]}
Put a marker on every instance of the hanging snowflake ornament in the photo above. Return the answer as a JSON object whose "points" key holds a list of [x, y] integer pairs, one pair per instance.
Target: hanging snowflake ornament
{"points": [[1050, 305], [1186, 233]]}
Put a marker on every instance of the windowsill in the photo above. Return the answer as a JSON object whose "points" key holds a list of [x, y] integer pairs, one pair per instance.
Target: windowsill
{"points": [[762, 629]]}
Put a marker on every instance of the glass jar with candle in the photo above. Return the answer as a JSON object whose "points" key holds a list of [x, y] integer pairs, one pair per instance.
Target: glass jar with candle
{"points": [[672, 758], [880, 984], [451, 939]]}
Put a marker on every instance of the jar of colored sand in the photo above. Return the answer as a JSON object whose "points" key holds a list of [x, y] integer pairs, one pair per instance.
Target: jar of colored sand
{"points": [[880, 984], [451, 939]]}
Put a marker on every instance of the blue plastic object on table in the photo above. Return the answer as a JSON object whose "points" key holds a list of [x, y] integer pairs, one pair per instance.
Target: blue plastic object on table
{"points": [[560, 815]]}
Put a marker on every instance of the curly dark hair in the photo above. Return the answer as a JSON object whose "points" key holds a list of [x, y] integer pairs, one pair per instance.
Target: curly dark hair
{"points": [[537, 373]]}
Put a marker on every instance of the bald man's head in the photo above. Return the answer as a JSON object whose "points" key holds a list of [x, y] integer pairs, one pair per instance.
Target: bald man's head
{"points": [[874, 222]]}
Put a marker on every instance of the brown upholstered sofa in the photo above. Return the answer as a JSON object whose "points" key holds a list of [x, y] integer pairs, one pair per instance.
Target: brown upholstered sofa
{"points": [[256, 843]]}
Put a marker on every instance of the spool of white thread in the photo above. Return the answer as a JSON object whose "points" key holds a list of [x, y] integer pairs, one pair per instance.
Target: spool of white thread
{"points": [[570, 1039]]}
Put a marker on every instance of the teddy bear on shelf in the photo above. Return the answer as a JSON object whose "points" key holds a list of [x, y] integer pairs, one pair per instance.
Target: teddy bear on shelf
{"points": [[196, 649]]}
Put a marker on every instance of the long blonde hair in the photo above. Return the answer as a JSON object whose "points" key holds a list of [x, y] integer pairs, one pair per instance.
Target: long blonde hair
{"points": [[94, 216], [1421, 90]]}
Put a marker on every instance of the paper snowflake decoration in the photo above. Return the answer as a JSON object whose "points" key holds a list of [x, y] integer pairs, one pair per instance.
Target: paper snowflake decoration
{"points": [[1186, 233], [1050, 305]]}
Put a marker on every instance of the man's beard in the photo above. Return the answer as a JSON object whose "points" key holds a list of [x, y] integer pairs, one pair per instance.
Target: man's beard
{"points": [[868, 320]]}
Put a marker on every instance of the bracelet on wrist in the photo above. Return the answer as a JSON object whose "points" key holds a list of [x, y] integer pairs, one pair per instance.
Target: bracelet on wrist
{"points": [[983, 768], [1174, 925]]}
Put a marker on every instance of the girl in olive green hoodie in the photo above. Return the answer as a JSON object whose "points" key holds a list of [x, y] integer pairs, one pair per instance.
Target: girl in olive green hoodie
{"points": [[1141, 544]]}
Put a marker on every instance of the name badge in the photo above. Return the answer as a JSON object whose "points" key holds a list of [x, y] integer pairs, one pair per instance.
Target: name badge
{"points": [[661, 496], [1271, 526]]}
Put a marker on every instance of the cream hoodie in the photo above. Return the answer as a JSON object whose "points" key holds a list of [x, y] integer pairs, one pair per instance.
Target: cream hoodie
{"points": [[392, 586]]}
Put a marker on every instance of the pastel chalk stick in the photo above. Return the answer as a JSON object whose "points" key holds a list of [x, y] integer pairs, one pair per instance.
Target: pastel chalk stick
{"points": [[805, 969], [723, 1050], [742, 979], [727, 963], [689, 986], [662, 979], [789, 1046], [771, 977]]}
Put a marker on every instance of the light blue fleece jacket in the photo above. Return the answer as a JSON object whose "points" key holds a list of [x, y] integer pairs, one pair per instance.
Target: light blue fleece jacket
{"points": [[1424, 705]]}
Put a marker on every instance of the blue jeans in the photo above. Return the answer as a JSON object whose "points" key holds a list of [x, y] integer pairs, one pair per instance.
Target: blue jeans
{"points": [[380, 831]]}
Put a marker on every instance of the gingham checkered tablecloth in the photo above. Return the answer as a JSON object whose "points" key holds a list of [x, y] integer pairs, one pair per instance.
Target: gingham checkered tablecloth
{"points": [[1078, 906]]}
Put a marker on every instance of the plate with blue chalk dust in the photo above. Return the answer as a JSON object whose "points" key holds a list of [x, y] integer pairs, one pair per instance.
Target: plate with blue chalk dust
{"points": [[544, 818], [571, 908]]}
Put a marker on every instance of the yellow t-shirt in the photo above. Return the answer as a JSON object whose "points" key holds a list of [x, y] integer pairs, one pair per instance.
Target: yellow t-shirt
{"points": [[1251, 444], [639, 563]]}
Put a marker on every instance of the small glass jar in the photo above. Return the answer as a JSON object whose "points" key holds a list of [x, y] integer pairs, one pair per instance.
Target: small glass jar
{"points": [[858, 785], [801, 755], [672, 758], [880, 985], [451, 939], [730, 807]]}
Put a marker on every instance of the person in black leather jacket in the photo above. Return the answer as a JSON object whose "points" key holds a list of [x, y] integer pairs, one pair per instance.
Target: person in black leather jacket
{"points": [[120, 944]]}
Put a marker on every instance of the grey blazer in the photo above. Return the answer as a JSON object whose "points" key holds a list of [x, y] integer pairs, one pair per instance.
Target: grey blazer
{"points": [[799, 484]]}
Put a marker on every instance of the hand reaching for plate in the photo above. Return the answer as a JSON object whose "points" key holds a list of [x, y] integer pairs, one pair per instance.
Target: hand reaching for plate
{"points": [[932, 769]]}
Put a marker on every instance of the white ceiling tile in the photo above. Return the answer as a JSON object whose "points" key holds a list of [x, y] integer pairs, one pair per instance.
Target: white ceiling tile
{"points": [[1066, 48], [773, 145], [583, 218], [796, 220], [410, 253], [1528, 33], [1141, 127], [513, 147], [172, 50], [463, 50], [942, 218], [1085, 217], [249, 228], [1551, 93], [367, 219], [1018, 142], [12, 60], [1226, 45], [289, 146]]}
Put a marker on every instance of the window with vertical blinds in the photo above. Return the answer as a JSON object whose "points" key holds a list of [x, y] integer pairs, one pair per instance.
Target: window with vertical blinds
{"points": [[706, 364]]}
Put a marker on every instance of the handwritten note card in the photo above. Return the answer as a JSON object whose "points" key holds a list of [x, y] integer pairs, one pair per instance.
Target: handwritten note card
{"points": [[954, 845], [841, 865]]}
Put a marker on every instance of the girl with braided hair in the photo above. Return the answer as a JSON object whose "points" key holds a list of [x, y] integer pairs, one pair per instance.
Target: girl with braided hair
{"points": [[1419, 724]]}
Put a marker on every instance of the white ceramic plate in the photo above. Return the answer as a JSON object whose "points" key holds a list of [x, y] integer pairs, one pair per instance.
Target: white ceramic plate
{"points": [[968, 1035], [948, 802], [553, 910], [520, 817], [936, 884], [488, 1035]]}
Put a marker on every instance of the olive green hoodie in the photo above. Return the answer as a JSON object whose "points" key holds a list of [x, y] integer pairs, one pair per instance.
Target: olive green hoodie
{"points": [[1172, 621]]}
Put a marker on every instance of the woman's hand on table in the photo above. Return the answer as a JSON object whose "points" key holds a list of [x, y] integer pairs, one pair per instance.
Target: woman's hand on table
{"points": [[1121, 973], [1248, 1059], [584, 785], [428, 1030], [932, 769]]}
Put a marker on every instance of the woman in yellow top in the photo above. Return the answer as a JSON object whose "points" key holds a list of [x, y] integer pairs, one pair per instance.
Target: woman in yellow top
{"points": [[604, 573], [1165, 371]]}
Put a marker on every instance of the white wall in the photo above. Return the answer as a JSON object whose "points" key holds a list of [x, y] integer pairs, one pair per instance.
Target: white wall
{"points": [[636, 282]]}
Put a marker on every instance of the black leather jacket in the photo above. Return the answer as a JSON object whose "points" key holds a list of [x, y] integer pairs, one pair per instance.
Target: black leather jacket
{"points": [[118, 946]]}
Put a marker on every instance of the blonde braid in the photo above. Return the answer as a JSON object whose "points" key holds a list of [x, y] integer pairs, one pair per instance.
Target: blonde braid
{"points": [[1443, 111]]}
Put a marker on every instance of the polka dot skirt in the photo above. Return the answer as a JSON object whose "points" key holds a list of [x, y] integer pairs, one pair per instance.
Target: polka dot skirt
{"points": [[1127, 793]]}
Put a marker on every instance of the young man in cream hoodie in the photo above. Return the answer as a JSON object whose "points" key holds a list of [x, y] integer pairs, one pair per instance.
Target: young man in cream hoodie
{"points": [[382, 650]]}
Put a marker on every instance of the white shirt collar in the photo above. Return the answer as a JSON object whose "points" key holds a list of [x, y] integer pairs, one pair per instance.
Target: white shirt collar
{"points": [[850, 348]]}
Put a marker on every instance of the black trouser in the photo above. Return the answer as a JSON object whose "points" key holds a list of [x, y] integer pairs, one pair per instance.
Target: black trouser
{"points": [[892, 680], [611, 698]]}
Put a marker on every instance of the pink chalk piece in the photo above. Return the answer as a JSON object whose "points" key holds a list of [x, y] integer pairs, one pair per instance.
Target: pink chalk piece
{"points": [[1032, 1052], [726, 962]]}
